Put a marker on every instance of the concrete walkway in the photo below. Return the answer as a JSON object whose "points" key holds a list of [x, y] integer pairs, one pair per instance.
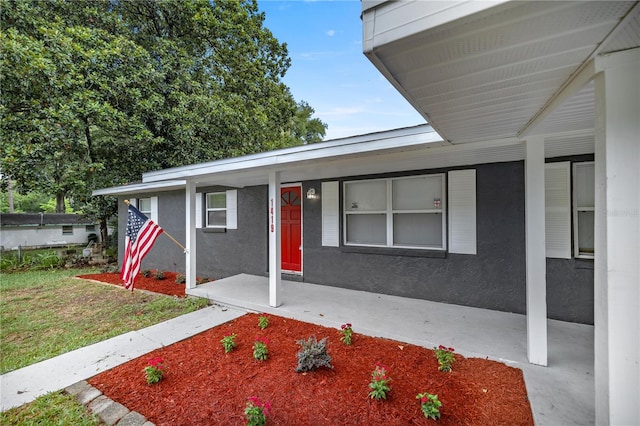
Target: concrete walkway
{"points": [[560, 394], [26, 384]]}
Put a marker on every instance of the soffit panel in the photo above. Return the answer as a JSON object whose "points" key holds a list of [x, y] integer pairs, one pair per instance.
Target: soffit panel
{"points": [[466, 76]]}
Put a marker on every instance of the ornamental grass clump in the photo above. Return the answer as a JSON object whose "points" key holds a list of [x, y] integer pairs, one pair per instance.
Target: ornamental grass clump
{"points": [[154, 370], [228, 342], [347, 332], [379, 382], [312, 355], [430, 405], [256, 411], [445, 357], [260, 350]]}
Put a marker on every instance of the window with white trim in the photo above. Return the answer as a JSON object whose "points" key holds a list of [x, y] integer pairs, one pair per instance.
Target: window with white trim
{"points": [[216, 210], [407, 212], [67, 229], [583, 209], [144, 206]]}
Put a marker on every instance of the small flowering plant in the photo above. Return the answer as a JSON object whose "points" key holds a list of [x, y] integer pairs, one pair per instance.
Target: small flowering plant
{"points": [[445, 357], [154, 370], [260, 350], [429, 404], [347, 332], [228, 342], [257, 411], [379, 382], [263, 322]]}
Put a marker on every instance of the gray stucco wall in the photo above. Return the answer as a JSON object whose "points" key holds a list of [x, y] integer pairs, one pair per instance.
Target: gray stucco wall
{"points": [[492, 279], [242, 250], [165, 254]]}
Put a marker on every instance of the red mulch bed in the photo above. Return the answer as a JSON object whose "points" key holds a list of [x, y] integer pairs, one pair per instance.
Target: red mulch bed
{"points": [[203, 385], [166, 286]]}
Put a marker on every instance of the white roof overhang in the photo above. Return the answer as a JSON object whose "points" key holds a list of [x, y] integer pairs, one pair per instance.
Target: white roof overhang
{"points": [[490, 70], [416, 148], [140, 188], [354, 155]]}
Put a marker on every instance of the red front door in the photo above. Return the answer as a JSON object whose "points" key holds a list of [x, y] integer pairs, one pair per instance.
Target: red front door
{"points": [[291, 225]]}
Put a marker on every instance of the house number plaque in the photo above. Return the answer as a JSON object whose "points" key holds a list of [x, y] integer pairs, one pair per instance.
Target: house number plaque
{"points": [[271, 224]]}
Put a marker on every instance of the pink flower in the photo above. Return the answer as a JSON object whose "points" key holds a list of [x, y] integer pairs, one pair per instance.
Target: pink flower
{"points": [[266, 407], [451, 350], [262, 340], [155, 362], [442, 347], [423, 400]]}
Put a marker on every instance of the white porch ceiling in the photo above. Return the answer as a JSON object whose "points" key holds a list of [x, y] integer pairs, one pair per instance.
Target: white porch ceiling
{"points": [[482, 71]]}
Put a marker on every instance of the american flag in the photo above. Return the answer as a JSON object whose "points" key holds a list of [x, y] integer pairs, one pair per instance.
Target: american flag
{"points": [[141, 234]]}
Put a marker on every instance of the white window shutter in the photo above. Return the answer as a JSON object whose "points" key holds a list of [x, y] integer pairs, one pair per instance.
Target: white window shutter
{"points": [[462, 211], [198, 209], [557, 196], [330, 214], [154, 209], [232, 209]]}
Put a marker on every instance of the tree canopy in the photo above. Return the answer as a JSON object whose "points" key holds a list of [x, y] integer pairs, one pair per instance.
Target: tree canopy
{"points": [[96, 92]]}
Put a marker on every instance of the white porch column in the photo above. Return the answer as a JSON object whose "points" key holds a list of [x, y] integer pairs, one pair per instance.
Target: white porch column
{"points": [[617, 236], [275, 254], [190, 228], [535, 257]]}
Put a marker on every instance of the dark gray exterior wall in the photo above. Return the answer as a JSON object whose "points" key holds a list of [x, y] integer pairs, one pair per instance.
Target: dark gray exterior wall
{"points": [[242, 250], [165, 254], [492, 279]]}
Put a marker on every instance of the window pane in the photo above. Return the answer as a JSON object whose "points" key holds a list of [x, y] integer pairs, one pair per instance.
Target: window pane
{"points": [[366, 196], [584, 180], [417, 229], [367, 229], [144, 205], [585, 233], [217, 200], [217, 218], [417, 193]]}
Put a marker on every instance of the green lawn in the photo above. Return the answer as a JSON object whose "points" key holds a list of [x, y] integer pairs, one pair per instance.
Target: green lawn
{"points": [[47, 313], [52, 409]]}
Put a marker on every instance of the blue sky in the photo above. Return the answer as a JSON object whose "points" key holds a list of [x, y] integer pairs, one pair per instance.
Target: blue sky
{"points": [[330, 72]]}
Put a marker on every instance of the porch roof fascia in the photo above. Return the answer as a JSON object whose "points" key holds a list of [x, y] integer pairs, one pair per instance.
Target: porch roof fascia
{"points": [[362, 145], [138, 188]]}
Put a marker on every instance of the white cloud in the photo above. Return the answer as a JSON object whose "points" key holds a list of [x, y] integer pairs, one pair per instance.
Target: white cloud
{"points": [[331, 33]]}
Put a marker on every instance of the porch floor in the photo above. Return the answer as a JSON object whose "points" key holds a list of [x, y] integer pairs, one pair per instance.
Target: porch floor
{"points": [[560, 394]]}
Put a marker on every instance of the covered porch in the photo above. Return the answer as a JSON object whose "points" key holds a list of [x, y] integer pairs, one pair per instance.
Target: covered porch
{"points": [[561, 393]]}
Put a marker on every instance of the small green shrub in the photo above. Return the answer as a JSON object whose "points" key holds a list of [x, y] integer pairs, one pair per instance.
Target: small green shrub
{"points": [[146, 273], [312, 355], [263, 322], [181, 279], [159, 275]]}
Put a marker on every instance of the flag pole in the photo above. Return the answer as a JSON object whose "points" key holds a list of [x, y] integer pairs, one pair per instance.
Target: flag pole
{"points": [[127, 202]]}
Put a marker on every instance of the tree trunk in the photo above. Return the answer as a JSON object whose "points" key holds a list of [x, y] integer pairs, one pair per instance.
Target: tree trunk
{"points": [[104, 235], [60, 202], [10, 196]]}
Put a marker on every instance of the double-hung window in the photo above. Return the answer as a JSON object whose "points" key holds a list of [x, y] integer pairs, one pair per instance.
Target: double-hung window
{"points": [[144, 206], [216, 214], [407, 212]]}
